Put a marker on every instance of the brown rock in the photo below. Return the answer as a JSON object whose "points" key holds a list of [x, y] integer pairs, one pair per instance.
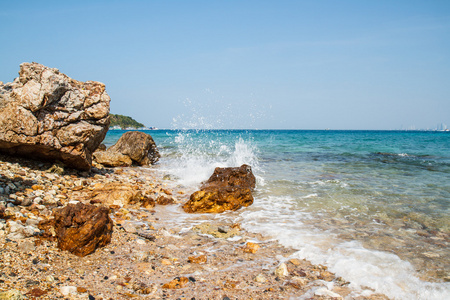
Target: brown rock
{"points": [[219, 200], [81, 290], [295, 261], [81, 228], [133, 147], [2, 212], [327, 276], [226, 189], [36, 292], [164, 200], [45, 114], [177, 283], [240, 177], [201, 259], [251, 247], [143, 288]]}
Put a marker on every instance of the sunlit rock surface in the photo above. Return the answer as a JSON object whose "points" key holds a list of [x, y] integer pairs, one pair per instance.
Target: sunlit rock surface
{"points": [[46, 114]]}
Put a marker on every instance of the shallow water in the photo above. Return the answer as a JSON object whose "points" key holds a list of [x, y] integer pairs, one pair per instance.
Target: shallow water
{"points": [[373, 206]]}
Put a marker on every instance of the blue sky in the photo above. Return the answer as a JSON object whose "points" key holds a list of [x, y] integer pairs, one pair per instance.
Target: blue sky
{"points": [[246, 64]]}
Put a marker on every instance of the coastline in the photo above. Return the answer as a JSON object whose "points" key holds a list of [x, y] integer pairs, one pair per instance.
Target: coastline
{"points": [[181, 262]]}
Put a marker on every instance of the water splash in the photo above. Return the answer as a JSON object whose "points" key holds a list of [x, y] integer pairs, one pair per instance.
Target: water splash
{"points": [[196, 153]]}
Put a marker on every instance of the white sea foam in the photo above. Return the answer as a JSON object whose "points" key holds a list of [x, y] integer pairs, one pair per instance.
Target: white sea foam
{"points": [[199, 157], [381, 271], [314, 195]]}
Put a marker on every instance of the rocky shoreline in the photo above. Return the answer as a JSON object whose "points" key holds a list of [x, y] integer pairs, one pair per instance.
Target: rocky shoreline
{"points": [[150, 256], [118, 233]]}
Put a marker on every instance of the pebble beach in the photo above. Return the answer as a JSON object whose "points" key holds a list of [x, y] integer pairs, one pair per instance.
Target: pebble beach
{"points": [[151, 256]]}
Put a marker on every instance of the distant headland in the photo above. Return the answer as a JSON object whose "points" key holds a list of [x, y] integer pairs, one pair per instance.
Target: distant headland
{"points": [[119, 122]]}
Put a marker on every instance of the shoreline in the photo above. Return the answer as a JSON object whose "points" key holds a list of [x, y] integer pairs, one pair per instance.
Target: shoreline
{"points": [[170, 262]]}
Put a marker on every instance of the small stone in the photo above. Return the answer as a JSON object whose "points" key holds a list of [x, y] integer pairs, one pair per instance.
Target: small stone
{"points": [[298, 282], [68, 289], [177, 283], [260, 278], [29, 230], [37, 200], [281, 270], [140, 242], [27, 246], [327, 276], [129, 227], [37, 187], [251, 247], [32, 222], [165, 200], [431, 255], [295, 261], [327, 293], [81, 290], [202, 259], [166, 262], [15, 226], [36, 292]]}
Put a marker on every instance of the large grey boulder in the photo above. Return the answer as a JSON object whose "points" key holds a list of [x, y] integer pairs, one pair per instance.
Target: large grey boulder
{"points": [[46, 114]]}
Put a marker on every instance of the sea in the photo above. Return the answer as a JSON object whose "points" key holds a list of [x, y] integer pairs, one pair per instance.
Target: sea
{"points": [[372, 206]]}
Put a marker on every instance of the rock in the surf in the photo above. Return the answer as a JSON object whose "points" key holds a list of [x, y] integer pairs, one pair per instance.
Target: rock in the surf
{"points": [[226, 189], [133, 147], [46, 114]]}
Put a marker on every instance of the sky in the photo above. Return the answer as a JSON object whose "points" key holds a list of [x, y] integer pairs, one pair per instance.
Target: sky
{"points": [[246, 64]]}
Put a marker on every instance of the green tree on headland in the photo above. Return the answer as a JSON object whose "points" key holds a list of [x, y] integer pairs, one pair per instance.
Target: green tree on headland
{"points": [[124, 121]]}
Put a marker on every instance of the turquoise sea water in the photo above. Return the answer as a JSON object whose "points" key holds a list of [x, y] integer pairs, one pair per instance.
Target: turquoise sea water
{"points": [[374, 206]]}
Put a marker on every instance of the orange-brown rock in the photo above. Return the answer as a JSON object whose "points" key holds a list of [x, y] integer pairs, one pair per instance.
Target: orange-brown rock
{"points": [[177, 283], [218, 200], [201, 259], [165, 200], [81, 228], [251, 247], [226, 189], [36, 293]]}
